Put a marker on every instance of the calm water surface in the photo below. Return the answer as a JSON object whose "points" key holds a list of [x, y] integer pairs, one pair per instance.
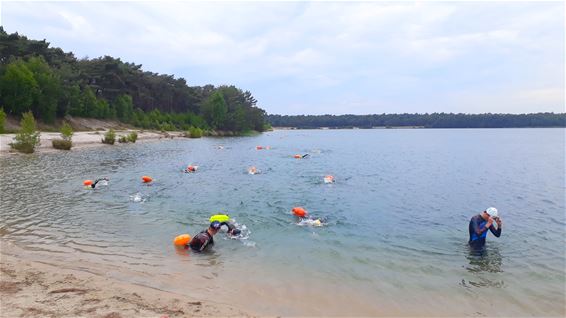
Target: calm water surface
{"points": [[395, 236]]}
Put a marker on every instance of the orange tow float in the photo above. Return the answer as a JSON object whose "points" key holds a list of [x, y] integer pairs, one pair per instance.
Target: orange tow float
{"points": [[182, 240], [146, 179], [300, 212]]}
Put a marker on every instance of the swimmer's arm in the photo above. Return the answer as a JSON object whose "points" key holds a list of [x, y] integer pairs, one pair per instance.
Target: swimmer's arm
{"points": [[204, 245], [97, 180], [229, 225], [495, 232], [477, 228]]}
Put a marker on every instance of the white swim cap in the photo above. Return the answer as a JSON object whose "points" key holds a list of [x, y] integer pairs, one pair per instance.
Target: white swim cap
{"points": [[492, 212]]}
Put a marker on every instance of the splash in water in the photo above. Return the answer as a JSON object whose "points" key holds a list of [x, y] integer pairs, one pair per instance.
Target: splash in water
{"points": [[138, 198], [244, 235], [311, 222]]}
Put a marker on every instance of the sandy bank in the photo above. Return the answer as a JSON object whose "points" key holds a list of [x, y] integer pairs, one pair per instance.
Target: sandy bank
{"points": [[35, 289], [83, 139]]}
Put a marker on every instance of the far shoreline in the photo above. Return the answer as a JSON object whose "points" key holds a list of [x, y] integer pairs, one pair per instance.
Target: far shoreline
{"points": [[404, 127]]}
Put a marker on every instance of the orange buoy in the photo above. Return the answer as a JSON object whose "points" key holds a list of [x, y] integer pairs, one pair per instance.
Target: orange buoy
{"points": [[182, 239], [297, 156], [146, 179], [300, 212], [87, 183], [258, 147]]}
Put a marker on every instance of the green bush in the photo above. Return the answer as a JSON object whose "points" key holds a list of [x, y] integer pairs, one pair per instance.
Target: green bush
{"points": [[62, 144], [109, 137], [133, 136], [27, 138], [195, 132], [2, 120], [65, 143], [123, 139], [66, 132]]}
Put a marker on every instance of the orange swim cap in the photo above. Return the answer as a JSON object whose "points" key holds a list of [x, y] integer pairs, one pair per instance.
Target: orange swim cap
{"points": [[146, 179], [87, 182], [297, 156]]}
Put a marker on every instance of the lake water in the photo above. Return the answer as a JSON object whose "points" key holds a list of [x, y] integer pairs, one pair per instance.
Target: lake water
{"points": [[394, 241]]}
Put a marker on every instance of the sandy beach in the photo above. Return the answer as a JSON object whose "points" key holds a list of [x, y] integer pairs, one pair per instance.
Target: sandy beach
{"points": [[40, 289], [84, 139]]}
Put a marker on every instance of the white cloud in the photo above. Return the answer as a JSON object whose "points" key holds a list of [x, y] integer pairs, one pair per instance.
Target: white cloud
{"points": [[372, 54]]}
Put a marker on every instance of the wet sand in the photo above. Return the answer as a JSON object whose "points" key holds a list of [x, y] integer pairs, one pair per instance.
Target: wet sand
{"points": [[36, 289], [84, 139]]}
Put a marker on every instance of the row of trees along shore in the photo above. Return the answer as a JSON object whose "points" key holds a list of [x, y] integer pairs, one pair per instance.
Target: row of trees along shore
{"points": [[434, 120], [52, 84]]}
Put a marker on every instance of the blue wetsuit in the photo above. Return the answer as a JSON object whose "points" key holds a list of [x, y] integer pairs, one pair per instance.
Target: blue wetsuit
{"points": [[478, 232]]}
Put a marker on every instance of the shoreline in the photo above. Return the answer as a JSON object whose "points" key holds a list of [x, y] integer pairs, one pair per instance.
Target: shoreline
{"points": [[83, 139], [34, 288]]}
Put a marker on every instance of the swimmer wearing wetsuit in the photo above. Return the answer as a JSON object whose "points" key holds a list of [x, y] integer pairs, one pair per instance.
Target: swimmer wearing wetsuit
{"points": [[205, 239], [232, 230], [479, 225], [93, 185]]}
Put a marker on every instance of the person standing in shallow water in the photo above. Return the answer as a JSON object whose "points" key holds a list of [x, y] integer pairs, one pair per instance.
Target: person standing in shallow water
{"points": [[479, 225]]}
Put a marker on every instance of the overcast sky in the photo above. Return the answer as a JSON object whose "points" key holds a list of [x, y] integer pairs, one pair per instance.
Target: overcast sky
{"points": [[328, 57]]}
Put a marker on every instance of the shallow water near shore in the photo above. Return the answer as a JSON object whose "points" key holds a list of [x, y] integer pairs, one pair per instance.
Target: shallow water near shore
{"points": [[393, 241]]}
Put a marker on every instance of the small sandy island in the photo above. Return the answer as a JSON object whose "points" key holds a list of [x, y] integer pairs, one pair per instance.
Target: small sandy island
{"points": [[37, 289], [84, 139]]}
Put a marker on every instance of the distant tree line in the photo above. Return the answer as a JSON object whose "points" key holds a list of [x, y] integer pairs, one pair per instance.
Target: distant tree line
{"points": [[434, 120], [52, 84]]}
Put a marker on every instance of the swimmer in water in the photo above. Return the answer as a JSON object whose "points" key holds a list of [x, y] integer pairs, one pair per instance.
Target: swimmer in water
{"points": [[191, 169], [232, 230], [93, 185], [204, 240], [312, 221], [253, 170], [224, 219]]}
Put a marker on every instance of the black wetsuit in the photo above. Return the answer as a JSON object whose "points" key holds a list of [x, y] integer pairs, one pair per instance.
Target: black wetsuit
{"points": [[478, 232], [201, 241], [231, 228]]}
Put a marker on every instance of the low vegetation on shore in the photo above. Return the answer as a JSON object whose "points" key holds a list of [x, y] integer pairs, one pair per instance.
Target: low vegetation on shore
{"points": [[65, 143], [28, 137]]}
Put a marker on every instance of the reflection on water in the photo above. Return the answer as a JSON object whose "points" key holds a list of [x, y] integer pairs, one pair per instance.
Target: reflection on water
{"points": [[482, 262]]}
